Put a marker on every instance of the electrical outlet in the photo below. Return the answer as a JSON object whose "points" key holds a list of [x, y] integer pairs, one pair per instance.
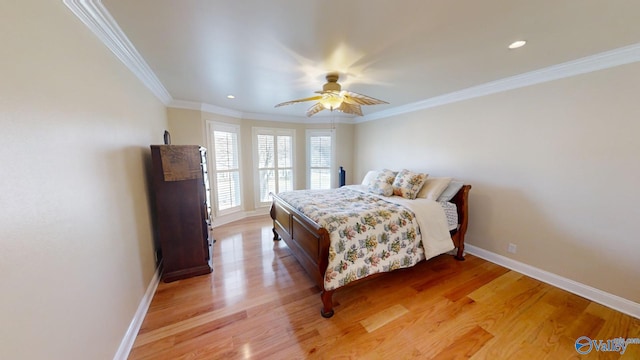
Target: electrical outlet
{"points": [[512, 248]]}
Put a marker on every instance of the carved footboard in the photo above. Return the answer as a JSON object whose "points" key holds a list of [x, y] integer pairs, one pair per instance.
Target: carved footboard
{"points": [[309, 242]]}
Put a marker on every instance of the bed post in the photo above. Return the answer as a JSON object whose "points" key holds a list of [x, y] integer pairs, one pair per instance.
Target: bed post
{"points": [[460, 254], [327, 303], [461, 199], [272, 212]]}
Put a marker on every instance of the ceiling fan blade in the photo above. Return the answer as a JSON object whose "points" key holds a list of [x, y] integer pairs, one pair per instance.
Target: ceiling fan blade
{"points": [[317, 107], [350, 109], [354, 98], [317, 97]]}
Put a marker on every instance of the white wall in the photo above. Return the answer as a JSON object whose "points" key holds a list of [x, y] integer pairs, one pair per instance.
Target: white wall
{"points": [[554, 168], [76, 246]]}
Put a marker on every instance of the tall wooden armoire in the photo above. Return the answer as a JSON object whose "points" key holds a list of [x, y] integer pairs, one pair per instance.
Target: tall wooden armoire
{"points": [[181, 191]]}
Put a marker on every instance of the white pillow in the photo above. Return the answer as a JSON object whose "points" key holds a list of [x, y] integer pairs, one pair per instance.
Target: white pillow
{"points": [[451, 190], [433, 187], [371, 175]]}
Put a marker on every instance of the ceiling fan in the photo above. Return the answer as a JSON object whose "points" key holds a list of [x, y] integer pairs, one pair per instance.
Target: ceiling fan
{"points": [[332, 97]]}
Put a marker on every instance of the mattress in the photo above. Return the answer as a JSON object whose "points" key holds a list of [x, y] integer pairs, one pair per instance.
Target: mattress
{"points": [[451, 211]]}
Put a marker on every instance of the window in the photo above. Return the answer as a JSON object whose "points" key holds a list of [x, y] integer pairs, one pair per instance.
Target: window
{"points": [[319, 159], [274, 162], [223, 140]]}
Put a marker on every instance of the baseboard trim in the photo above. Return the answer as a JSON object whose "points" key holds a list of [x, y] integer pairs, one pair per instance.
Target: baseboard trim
{"points": [[609, 300], [130, 337], [226, 219]]}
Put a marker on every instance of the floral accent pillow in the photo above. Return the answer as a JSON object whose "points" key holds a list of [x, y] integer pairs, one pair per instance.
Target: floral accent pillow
{"points": [[407, 184], [383, 183]]}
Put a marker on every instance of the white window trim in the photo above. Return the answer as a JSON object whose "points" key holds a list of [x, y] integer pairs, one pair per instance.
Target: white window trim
{"points": [[334, 168], [211, 127], [255, 131]]}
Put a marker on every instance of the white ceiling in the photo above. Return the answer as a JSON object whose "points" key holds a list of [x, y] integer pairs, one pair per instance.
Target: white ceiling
{"points": [[402, 51]]}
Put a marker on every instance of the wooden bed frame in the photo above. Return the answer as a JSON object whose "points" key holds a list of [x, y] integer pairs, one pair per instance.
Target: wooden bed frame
{"points": [[309, 242]]}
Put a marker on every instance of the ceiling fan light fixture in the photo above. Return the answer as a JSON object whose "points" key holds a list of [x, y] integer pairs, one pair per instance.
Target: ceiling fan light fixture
{"points": [[331, 101], [332, 97]]}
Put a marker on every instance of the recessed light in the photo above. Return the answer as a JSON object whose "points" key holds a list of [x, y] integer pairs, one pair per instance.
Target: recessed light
{"points": [[230, 97], [517, 44]]}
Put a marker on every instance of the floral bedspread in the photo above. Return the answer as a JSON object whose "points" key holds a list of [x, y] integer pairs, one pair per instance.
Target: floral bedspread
{"points": [[368, 234]]}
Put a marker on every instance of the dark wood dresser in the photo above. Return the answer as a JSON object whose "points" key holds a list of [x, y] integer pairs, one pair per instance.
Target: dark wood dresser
{"points": [[182, 210]]}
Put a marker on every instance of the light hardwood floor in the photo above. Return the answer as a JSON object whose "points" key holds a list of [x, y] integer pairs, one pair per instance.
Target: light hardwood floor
{"points": [[259, 304]]}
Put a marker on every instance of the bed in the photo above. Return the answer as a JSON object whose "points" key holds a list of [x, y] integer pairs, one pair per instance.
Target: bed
{"points": [[346, 235]]}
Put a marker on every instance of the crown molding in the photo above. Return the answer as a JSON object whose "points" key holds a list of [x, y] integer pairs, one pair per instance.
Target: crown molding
{"points": [[327, 119], [96, 17], [608, 59], [183, 104], [218, 110], [213, 109]]}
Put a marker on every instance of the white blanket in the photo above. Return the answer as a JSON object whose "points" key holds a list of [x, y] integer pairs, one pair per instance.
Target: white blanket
{"points": [[431, 218]]}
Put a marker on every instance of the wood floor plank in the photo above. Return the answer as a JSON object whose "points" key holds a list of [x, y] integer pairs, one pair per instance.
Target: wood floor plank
{"points": [[465, 345], [380, 319], [259, 303], [162, 345], [489, 290], [633, 350], [547, 337], [509, 340], [464, 288]]}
